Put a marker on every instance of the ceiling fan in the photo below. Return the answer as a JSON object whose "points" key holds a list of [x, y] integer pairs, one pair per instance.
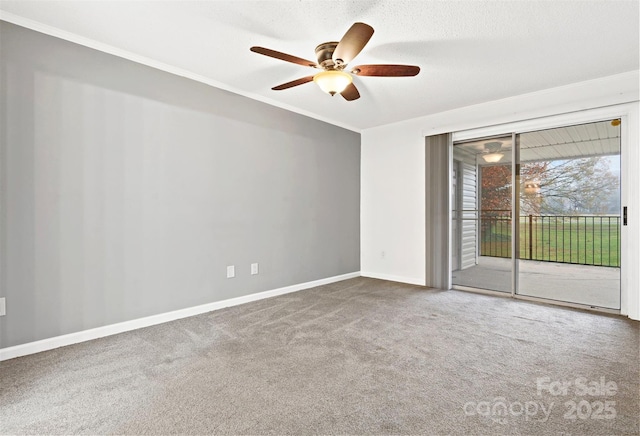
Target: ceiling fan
{"points": [[492, 152], [333, 58]]}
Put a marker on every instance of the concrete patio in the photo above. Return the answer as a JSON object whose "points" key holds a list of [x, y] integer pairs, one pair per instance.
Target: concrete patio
{"points": [[583, 284]]}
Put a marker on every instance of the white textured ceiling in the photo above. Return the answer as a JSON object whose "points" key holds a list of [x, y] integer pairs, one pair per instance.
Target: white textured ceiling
{"points": [[469, 51]]}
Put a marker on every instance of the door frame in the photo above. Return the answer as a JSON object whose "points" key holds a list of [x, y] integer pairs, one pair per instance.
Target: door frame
{"points": [[629, 187]]}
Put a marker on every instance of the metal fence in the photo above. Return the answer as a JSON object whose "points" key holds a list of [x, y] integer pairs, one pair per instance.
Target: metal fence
{"points": [[583, 240]]}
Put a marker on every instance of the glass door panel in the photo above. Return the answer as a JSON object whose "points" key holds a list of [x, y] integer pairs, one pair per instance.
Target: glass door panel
{"points": [[481, 201], [569, 214]]}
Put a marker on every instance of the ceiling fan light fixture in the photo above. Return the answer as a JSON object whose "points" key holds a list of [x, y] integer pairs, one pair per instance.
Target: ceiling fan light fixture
{"points": [[493, 157], [532, 187], [333, 81]]}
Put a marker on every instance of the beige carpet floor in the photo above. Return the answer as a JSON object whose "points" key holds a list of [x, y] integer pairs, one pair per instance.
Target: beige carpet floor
{"points": [[361, 356]]}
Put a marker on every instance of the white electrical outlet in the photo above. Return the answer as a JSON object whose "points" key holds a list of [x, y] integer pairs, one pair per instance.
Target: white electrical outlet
{"points": [[231, 271], [3, 306], [254, 269]]}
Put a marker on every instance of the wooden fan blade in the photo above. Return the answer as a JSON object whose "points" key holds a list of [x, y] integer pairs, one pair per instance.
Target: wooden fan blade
{"points": [[283, 56], [293, 83], [350, 93], [352, 43], [386, 70]]}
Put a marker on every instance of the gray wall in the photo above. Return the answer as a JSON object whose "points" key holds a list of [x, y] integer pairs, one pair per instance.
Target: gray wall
{"points": [[126, 191]]}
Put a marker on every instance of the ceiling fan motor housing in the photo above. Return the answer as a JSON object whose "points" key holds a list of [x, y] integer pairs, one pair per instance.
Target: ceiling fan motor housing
{"points": [[324, 54]]}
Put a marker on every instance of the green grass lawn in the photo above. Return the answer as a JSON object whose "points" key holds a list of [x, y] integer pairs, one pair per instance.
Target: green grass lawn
{"points": [[584, 241]]}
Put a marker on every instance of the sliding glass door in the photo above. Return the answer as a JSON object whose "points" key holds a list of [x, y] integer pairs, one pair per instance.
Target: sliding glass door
{"points": [[569, 214], [481, 214], [537, 214]]}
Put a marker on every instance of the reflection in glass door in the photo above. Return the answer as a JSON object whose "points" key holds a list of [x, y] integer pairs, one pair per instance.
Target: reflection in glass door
{"points": [[481, 214], [569, 214]]}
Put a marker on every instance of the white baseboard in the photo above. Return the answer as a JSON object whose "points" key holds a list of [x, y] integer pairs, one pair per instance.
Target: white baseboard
{"points": [[400, 279], [113, 329]]}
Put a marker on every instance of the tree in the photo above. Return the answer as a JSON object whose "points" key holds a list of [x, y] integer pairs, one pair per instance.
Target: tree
{"points": [[570, 187], [566, 187], [496, 190]]}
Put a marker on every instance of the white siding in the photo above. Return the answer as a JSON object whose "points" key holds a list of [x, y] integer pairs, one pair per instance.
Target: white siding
{"points": [[468, 190], [470, 223]]}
